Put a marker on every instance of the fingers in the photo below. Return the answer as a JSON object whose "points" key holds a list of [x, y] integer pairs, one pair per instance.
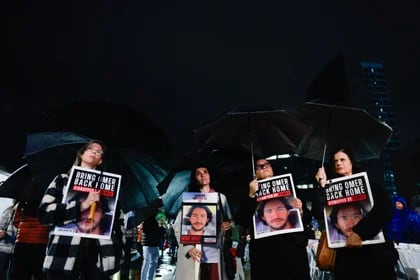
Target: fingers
{"points": [[195, 254]]}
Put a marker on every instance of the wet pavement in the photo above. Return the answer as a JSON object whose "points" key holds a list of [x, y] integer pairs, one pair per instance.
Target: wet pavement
{"points": [[165, 270]]}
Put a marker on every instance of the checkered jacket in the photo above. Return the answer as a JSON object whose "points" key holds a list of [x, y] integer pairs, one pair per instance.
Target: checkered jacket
{"points": [[62, 250]]}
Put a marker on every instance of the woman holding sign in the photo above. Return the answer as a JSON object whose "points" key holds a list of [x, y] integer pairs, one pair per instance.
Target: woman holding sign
{"points": [[283, 253], [357, 261], [209, 257], [75, 257]]}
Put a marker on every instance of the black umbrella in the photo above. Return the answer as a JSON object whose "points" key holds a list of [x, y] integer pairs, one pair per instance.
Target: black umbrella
{"points": [[334, 126], [140, 172], [114, 123], [20, 186], [262, 131]]}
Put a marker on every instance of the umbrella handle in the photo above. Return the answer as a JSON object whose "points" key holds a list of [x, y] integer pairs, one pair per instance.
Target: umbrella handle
{"points": [[92, 210], [323, 155]]}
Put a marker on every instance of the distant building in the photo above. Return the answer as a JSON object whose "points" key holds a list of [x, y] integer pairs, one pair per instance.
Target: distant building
{"points": [[347, 81]]}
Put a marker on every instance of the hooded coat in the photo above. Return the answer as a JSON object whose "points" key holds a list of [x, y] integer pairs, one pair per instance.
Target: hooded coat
{"points": [[405, 223]]}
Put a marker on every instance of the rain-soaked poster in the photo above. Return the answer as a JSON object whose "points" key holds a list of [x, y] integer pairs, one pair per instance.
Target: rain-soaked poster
{"points": [[274, 213], [349, 199], [97, 221]]}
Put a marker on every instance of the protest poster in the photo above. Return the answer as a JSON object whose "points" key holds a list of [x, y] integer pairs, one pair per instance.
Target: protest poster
{"points": [[348, 199], [97, 221], [199, 218], [274, 213]]}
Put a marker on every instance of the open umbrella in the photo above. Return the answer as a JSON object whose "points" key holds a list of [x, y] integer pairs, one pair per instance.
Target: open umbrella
{"points": [[20, 186], [140, 172], [114, 123], [334, 126], [262, 131]]}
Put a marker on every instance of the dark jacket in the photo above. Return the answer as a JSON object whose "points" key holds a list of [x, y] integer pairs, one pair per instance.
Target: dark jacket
{"points": [[152, 233], [285, 253], [372, 261]]}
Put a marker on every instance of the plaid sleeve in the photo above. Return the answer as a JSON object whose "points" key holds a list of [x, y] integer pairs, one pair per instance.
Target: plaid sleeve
{"points": [[52, 210]]}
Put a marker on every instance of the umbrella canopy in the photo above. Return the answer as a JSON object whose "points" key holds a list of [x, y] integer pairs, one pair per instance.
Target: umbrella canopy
{"points": [[172, 198], [140, 172], [115, 124], [334, 126], [20, 186], [262, 132]]}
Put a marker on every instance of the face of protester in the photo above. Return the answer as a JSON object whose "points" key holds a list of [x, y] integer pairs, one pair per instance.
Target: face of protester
{"points": [[92, 156], [275, 214], [198, 221], [263, 169], [399, 205], [347, 218], [87, 225], [202, 176], [342, 164]]}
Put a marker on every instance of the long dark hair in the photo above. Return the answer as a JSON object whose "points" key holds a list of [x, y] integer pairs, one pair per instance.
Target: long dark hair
{"points": [[355, 165], [82, 149], [194, 187]]}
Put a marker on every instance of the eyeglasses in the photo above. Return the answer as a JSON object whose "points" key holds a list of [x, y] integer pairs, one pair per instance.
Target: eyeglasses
{"points": [[262, 166], [92, 150], [354, 217]]}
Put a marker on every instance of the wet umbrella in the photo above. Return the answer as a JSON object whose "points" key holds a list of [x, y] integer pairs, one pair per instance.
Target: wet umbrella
{"points": [[334, 126], [262, 131], [20, 186], [116, 124], [140, 172]]}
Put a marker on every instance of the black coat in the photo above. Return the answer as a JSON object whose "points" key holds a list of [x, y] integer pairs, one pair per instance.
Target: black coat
{"points": [[283, 256], [372, 261]]}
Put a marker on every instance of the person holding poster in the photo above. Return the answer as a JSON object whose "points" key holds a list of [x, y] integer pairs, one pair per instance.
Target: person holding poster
{"points": [[371, 261], [286, 252], [212, 265], [75, 257]]}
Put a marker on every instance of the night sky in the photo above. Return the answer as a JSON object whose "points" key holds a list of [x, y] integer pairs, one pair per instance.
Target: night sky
{"points": [[185, 62]]}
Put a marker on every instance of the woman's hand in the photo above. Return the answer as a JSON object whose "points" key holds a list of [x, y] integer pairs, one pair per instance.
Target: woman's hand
{"points": [[354, 241], [321, 177], [195, 254], [226, 226], [253, 188], [90, 199], [297, 203]]}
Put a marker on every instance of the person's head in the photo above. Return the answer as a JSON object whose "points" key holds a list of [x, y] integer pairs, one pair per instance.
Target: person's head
{"points": [[275, 213], [199, 217], [343, 162], [91, 154], [399, 203], [200, 177], [263, 169], [345, 216], [97, 224]]}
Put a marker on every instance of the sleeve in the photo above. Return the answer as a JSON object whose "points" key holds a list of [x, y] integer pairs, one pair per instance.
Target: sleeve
{"points": [[376, 219], [182, 249], [52, 211]]}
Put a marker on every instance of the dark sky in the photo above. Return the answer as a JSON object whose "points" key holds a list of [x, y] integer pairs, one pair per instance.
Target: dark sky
{"points": [[187, 62]]}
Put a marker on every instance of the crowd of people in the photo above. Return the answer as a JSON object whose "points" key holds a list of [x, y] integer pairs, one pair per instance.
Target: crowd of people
{"points": [[218, 248]]}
